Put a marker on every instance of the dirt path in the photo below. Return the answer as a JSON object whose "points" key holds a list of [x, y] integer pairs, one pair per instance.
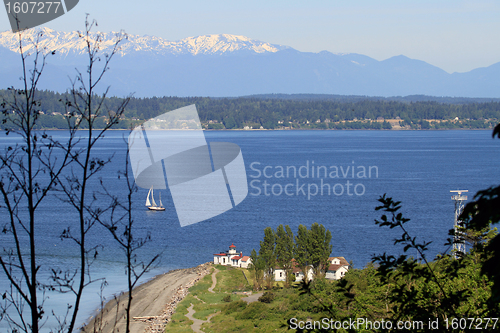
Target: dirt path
{"points": [[153, 303], [214, 281], [196, 327]]}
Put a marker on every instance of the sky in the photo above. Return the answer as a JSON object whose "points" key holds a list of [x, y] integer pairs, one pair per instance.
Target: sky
{"points": [[456, 36]]}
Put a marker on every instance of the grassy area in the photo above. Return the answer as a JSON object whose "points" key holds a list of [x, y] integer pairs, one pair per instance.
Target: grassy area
{"points": [[207, 303], [232, 279], [179, 322], [235, 315]]}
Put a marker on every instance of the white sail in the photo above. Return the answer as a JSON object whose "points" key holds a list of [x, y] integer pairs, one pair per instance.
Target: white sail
{"points": [[147, 199], [153, 203]]}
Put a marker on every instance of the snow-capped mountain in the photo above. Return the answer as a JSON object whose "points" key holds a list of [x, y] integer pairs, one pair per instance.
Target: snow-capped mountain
{"points": [[229, 65], [69, 42]]}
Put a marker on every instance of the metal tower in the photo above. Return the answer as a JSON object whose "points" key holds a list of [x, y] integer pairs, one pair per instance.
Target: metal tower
{"points": [[458, 246]]}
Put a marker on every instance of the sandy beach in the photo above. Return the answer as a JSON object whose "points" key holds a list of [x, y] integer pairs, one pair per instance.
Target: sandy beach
{"points": [[152, 305]]}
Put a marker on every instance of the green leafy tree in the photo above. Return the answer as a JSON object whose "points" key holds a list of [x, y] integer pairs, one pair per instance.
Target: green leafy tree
{"points": [[229, 123], [444, 289], [284, 250], [302, 250], [313, 248], [319, 248], [257, 266], [387, 125], [267, 254]]}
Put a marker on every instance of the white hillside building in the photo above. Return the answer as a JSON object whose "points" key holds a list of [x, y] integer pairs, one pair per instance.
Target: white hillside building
{"points": [[279, 274], [338, 267], [232, 258]]}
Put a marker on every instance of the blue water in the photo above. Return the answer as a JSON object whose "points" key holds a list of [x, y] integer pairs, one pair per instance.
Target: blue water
{"points": [[417, 167]]}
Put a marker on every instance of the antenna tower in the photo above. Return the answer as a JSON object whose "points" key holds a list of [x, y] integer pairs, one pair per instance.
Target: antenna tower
{"points": [[458, 245]]}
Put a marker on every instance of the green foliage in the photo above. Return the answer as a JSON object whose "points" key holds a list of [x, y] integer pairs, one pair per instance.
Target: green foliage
{"points": [[258, 266], [424, 124], [255, 310], [236, 306], [284, 251], [227, 298], [268, 255], [319, 248], [229, 123], [312, 247], [386, 125], [444, 288], [478, 216], [302, 254], [419, 291], [402, 288], [267, 111], [215, 126], [267, 297]]}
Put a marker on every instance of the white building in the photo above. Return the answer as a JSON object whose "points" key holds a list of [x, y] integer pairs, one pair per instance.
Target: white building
{"points": [[279, 274], [338, 267], [232, 258], [245, 261]]}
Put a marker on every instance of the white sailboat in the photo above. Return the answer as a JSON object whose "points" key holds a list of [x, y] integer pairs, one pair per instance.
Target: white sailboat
{"points": [[152, 204]]}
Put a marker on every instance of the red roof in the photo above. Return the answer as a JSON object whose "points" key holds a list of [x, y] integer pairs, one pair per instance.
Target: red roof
{"points": [[220, 254], [236, 258], [245, 258], [232, 245]]}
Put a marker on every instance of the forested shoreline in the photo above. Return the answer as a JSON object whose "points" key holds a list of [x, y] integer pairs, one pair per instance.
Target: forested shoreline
{"points": [[285, 112]]}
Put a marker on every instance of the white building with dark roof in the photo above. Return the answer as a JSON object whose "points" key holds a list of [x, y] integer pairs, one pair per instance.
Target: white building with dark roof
{"points": [[337, 268]]}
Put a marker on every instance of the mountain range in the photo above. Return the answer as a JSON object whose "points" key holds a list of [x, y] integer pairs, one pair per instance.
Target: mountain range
{"points": [[228, 65]]}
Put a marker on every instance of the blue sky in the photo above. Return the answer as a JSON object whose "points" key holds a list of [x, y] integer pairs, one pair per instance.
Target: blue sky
{"points": [[456, 36]]}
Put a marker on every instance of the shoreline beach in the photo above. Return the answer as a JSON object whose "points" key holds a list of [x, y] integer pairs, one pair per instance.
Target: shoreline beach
{"points": [[153, 302]]}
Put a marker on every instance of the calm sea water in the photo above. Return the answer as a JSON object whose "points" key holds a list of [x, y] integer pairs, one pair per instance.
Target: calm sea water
{"points": [[418, 168]]}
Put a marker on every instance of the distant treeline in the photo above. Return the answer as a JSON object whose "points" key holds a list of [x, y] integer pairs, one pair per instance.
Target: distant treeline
{"points": [[351, 112], [357, 98]]}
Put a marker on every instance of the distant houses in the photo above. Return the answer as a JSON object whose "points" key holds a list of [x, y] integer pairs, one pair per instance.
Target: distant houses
{"points": [[337, 268]]}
